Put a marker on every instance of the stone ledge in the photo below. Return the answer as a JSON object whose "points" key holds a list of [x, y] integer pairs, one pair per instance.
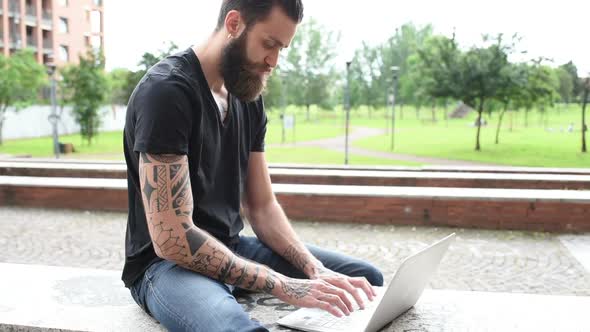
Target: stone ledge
{"points": [[332, 176], [517, 209], [44, 298], [433, 168]]}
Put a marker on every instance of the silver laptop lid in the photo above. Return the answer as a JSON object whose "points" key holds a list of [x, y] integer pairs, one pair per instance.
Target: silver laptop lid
{"points": [[408, 283]]}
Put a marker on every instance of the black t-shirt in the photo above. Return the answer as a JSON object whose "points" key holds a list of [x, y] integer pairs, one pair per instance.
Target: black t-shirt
{"points": [[172, 111]]}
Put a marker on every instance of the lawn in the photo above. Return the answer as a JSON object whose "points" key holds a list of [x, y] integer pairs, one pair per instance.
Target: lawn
{"points": [[544, 142]]}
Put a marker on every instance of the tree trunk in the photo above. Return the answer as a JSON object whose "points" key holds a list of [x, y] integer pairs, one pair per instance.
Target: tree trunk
{"points": [[479, 113], [2, 110], [433, 113], [307, 113], [1, 125], [584, 127], [511, 120], [500, 124]]}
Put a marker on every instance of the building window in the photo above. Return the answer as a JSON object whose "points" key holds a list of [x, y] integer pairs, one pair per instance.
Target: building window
{"points": [[64, 53], [63, 3], [63, 25]]}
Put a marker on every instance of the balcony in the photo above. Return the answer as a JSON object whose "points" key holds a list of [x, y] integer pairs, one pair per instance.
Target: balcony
{"points": [[47, 19], [47, 45], [15, 43], [13, 8], [31, 16], [31, 42]]}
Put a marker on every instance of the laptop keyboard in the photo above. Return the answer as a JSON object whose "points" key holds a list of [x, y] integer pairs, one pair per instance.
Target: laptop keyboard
{"points": [[328, 320]]}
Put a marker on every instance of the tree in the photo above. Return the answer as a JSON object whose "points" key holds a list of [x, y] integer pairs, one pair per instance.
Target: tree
{"points": [[514, 79], [20, 79], [577, 84], [88, 88], [541, 88], [117, 82], [309, 65], [398, 51], [367, 86], [147, 61], [566, 85]]}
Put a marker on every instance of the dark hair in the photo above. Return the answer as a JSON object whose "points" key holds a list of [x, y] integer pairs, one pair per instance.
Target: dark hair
{"points": [[257, 10]]}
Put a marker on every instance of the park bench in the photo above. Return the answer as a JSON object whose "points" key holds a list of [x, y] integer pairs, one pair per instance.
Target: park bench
{"points": [[50, 298], [520, 209], [331, 176]]}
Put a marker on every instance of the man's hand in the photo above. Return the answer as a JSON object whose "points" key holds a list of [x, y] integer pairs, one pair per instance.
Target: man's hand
{"points": [[312, 294], [350, 284]]}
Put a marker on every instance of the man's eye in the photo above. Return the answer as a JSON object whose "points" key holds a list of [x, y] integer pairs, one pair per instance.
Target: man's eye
{"points": [[269, 45]]}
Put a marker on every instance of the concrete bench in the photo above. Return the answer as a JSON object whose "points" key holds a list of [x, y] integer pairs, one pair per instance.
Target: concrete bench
{"points": [[43, 298], [427, 168], [330, 176], [519, 209]]}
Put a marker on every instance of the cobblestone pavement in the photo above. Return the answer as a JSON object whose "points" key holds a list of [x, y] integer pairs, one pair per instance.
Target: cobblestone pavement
{"points": [[479, 260]]}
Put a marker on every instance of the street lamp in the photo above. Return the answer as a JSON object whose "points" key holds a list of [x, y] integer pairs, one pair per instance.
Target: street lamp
{"points": [[283, 77], [54, 117], [347, 105], [394, 71]]}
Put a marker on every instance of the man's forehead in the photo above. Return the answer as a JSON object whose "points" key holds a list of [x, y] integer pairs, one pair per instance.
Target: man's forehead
{"points": [[277, 26]]}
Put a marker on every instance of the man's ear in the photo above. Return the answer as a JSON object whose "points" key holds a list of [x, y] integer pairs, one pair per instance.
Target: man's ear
{"points": [[233, 22]]}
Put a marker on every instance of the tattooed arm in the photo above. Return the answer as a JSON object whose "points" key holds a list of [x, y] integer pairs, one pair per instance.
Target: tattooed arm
{"points": [[168, 203], [272, 227]]}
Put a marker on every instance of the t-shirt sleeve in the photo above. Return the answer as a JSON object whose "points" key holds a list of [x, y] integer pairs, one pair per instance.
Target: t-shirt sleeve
{"points": [[164, 121], [260, 132]]}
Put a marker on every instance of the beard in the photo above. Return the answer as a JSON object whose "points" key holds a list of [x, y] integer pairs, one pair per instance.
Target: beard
{"points": [[242, 77]]}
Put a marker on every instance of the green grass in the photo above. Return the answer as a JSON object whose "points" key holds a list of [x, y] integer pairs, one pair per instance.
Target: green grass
{"points": [[534, 145], [104, 143], [454, 139]]}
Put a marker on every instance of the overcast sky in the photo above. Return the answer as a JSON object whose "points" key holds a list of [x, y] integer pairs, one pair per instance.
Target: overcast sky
{"points": [[554, 29]]}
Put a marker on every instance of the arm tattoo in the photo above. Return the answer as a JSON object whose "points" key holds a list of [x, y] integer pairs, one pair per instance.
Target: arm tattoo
{"points": [[168, 202], [168, 244], [298, 259], [226, 269], [208, 263], [295, 289], [250, 284]]}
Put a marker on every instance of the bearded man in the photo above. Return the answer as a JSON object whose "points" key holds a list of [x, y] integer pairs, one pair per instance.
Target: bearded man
{"points": [[194, 148]]}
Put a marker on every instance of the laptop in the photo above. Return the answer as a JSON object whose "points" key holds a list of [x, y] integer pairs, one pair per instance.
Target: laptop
{"points": [[403, 292]]}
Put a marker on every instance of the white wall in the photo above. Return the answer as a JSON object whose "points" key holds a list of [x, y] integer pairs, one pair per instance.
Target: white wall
{"points": [[33, 121]]}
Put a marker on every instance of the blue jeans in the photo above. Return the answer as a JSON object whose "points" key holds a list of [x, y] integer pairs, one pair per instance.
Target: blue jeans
{"points": [[182, 300]]}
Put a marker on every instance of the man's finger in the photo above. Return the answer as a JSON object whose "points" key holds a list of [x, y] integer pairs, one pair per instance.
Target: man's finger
{"points": [[336, 301], [363, 284], [326, 306], [336, 290]]}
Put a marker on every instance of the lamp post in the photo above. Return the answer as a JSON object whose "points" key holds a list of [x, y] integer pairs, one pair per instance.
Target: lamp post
{"points": [[283, 104], [394, 71], [54, 117], [347, 106]]}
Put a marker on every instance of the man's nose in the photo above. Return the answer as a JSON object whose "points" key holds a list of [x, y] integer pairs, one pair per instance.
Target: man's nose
{"points": [[272, 60]]}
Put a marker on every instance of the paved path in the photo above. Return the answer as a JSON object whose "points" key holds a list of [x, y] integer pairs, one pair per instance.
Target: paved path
{"points": [[479, 260], [338, 144]]}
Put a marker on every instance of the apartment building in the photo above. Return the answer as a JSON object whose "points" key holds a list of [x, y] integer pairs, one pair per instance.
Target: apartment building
{"points": [[61, 29]]}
